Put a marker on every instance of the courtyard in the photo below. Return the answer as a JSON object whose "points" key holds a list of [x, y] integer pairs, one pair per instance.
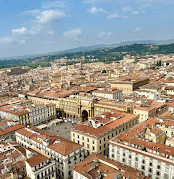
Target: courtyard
{"points": [[62, 129]]}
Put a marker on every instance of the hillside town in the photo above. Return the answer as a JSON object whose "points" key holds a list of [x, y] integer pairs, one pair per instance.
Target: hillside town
{"points": [[88, 120]]}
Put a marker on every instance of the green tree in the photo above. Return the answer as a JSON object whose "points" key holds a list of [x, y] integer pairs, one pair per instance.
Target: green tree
{"points": [[104, 71]]}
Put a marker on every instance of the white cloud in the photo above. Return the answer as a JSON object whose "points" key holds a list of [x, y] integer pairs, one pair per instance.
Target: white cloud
{"points": [[135, 12], [126, 9], [95, 10], [21, 31], [53, 4], [104, 34], [113, 16], [6, 39], [89, 1], [137, 29], [49, 16], [73, 33], [31, 12], [51, 32]]}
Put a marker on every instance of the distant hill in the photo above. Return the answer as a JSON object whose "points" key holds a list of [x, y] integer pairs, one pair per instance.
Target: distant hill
{"points": [[94, 47], [105, 54]]}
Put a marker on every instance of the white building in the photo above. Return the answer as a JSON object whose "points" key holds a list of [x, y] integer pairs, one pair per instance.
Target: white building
{"points": [[64, 152], [154, 160], [109, 94], [97, 166], [39, 166], [149, 94]]}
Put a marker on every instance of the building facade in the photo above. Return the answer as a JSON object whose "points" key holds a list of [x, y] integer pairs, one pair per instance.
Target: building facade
{"points": [[64, 152], [39, 166], [95, 133], [154, 160], [109, 94], [97, 166]]}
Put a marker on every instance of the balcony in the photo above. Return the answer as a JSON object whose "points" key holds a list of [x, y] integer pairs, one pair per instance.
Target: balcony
{"points": [[43, 167]]}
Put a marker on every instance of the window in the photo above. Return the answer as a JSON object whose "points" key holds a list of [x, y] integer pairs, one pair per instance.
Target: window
{"points": [[158, 173], [88, 139], [150, 170], [93, 141], [136, 159], [93, 148], [158, 167]]}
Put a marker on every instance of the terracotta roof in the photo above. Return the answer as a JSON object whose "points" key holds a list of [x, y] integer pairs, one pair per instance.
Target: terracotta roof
{"points": [[63, 146], [90, 130], [37, 159], [11, 129], [161, 148], [96, 165]]}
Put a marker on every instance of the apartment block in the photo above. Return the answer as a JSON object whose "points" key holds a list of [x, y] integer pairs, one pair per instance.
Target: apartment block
{"points": [[39, 166], [64, 152], [153, 159], [97, 166], [109, 94], [95, 133]]}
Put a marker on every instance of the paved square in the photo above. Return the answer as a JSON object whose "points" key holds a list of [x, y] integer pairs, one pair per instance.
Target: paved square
{"points": [[62, 129]]}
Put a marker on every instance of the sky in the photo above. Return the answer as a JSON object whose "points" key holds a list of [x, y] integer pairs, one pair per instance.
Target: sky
{"points": [[42, 26]]}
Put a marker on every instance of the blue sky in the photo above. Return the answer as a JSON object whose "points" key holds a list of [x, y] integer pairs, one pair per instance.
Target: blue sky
{"points": [[41, 26]]}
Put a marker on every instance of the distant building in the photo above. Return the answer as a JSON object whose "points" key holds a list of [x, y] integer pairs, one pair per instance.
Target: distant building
{"points": [[29, 114], [109, 94], [149, 111], [127, 85]]}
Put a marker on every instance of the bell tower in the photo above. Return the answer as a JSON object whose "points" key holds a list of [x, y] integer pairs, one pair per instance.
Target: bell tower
{"points": [[81, 62]]}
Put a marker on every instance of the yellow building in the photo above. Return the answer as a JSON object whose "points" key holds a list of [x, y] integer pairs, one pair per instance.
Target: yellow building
{"points": [[95, 133], [127, 85], [77, 108], [155, 135], [147, 112]]}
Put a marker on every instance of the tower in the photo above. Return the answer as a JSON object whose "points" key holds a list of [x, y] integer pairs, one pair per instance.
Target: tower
{"points": [[81, 62]]}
